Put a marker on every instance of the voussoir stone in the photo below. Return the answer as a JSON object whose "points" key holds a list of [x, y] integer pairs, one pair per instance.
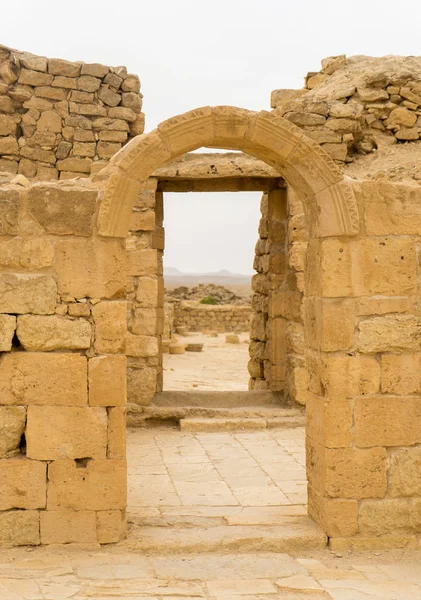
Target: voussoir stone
{"points": [[53, 332], [12, 426], [63, 210], [21, 294]]}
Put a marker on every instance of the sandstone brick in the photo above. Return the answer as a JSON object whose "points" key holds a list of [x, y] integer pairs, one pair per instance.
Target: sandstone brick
{"points": [[144, 321], [141, 345], [84, 149], [142, 221], [346, 376], [389, 516], [330, 323], [95, 70], [329, 422], [79, 309], [390, 333], [116, 441], [107, 149], [132, 100], [19, 528], [143, 262], [401, 374], [380, 305], [55, 432], [147, 292], [21, 294], [405, 472], [108, 96], [53, 332], [367, 267], [337, 517], [87, 83], [91, 268], [63, 210], [113, 136], [141, 385], [57, 66], [7, 331], [23, 484], [9, 145], [131, 84], [100, 485], [68, 527], [35, 78], [49, 121], [111, 526], [75, 165], [45, 379], [30, 254], [8, 125], [52, 93], [107, 124], [12, 426], [110, 326], [122, 112], [387, 421], [107, 380]]}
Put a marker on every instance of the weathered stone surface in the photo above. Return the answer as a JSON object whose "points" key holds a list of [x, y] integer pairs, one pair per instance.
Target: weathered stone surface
{"points": [[147, 292], [53, 332], [405, 472], [55, 432], [19, 528], [144, 321], [107, 380], [110, 326], [390, 333], [68, 527], [45, 379], [141, 345], [23, 484], [63, 210], [116, 441], [57, 66], [29, 254], [20, 294], [91, 268], [12, 426], [76, 487], [141, 385], [111, 526], [401, 374], [387, 421], [389, 516], [346, 376], [75, 165], [143, 263], [7, 331], [9, 207]]}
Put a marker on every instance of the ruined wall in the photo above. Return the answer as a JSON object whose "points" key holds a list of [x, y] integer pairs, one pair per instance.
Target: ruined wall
{"points": [[277, 334], [61, 119], [62, 369], [355, 105], [199, 317]]}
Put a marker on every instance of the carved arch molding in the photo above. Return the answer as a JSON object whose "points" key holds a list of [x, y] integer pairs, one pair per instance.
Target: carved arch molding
{"points": [[328, 197]]}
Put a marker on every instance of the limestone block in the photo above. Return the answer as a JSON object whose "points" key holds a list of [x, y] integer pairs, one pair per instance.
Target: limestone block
{"points": [[147, 292], [141, 385], [12, 426], [22, 293], [116, 442], [9, 145], [57, 66], [45, 379], [91, 268], [108, 96], [257, 327], [23, 484], [401, 374], [387, 421], [111, 526], [106, 150], [141, 345], [142, 262], [110, 326], [142, 221], [79, 309], [8, 125], [7, 331], [100, 485], [322, 317], [75, 165], [63, 210], [405, 472], [121, 112], [337, 517], [381, 305], [107, 380], [286, 304], [87, 83], [55, 432], [9, 207], [390, 333], [49, 120], [144, 321], [350, 473], [346, 376], [35, 78], [367, 267], [54, 332], [329, 422], [390, 516], [95, 70], [19, 528], [68, 527], [297, 256]]}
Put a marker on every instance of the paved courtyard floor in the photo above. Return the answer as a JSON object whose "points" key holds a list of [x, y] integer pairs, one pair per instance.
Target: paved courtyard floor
{"points": [[188, 481]]}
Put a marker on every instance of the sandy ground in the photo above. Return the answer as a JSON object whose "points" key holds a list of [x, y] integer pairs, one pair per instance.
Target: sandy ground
{"points": [[219, 366]]}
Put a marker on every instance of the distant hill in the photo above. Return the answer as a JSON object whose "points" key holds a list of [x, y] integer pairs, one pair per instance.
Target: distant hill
{"points": [[174, 278]]}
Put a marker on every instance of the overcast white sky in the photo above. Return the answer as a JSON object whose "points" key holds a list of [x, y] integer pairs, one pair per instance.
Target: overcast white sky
{"points": [[190, 53]]}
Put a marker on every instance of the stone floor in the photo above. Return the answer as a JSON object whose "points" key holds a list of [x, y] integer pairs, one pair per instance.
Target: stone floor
{"points": [[179, 482], [219, 366]]}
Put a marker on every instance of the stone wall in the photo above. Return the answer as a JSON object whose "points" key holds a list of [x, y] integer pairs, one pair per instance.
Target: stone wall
{"points": [[199, 317], [61, 119], [353, 106], [62, 368]]}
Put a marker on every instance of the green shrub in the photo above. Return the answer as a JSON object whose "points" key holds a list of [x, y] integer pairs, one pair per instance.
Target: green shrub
{"points": [[208, 300]]}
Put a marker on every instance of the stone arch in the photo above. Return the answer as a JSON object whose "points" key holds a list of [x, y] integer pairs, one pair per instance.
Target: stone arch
{"points": [[328, 197]]}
